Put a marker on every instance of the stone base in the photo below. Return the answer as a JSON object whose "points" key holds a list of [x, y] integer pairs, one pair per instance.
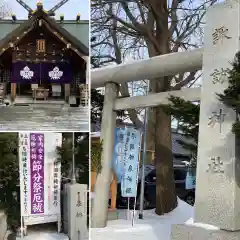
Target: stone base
{"points": [[112, 214], [201, 232]]}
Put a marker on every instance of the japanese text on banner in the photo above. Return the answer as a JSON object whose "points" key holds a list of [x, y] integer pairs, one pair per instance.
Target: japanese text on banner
{"points": [[23, 146], [118, 153], [56, 183], [37, 172], [132, 142]]}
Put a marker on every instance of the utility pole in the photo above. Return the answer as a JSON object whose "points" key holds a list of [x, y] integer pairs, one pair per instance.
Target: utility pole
{"points": [[143, 160], [73, 159]]}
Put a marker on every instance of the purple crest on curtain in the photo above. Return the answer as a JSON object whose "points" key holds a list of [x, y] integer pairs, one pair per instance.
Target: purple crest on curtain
{"points": [[56, 73], [24, 72]]}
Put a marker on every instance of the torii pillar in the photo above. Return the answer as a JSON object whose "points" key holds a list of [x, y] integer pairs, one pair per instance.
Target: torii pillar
{"points": [[100, 203]]}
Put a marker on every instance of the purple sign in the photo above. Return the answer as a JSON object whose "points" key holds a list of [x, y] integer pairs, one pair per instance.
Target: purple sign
{"points": [[37, 172], [24, 72], [56, 73]]}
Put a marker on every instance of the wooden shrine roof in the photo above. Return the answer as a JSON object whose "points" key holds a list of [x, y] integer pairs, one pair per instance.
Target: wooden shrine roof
{"points": [[24, 27]]}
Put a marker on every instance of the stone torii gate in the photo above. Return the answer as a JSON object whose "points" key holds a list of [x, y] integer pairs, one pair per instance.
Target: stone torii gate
{"points": [[218, 175]]}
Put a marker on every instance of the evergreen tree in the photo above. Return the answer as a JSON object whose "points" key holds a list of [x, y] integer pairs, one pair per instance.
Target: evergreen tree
{"points": [[81, 156], [96, 97], [231, 96], [96, 105], [9, 178], [187, 114], [96, 151]]}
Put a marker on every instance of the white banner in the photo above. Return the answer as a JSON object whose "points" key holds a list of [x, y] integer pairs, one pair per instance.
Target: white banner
{"points": [[40, 177]]}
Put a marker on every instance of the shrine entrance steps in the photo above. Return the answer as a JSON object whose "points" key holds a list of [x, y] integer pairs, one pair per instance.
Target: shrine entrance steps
{"points": [[26, 101], [44, 117]]}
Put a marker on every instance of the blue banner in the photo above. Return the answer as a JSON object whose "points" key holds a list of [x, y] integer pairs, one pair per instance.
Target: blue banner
{"points": [[190, 182], [118, 152], [132, 141]]}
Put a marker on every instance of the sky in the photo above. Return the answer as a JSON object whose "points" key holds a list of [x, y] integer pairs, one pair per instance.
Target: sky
{"points": [[70, 9]]}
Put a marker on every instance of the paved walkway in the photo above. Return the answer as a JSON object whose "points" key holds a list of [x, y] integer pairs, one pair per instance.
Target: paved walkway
{"points": [[44, 236], [44, 118]]}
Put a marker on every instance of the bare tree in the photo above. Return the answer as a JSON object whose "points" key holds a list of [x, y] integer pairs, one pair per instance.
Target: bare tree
{"points": [[147, 28], [5, 10]]}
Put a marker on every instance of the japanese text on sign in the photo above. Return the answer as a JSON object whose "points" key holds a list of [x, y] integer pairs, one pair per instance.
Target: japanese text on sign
{"points": [[24, 142], [118, 154], [56, 184], [37, 172], [131, 153]]}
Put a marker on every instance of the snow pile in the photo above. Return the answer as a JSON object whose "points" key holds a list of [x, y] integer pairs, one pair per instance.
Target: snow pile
{"points": [[152, 227], [191, 222]]}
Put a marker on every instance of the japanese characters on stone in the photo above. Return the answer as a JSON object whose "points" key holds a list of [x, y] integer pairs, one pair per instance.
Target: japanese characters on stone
{"points": [[220, 75], [23, 148], [37, 172], [215, 165], [217, 117], [220, 34], [79, 206]]}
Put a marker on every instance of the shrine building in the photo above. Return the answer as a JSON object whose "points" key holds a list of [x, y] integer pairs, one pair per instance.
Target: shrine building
{"points": [[42, 58]]}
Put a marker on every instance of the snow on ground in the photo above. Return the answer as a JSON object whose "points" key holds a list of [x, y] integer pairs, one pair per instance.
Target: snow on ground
{"points": [[47, 232], [44, 236], [152, 227], [43, 232]]}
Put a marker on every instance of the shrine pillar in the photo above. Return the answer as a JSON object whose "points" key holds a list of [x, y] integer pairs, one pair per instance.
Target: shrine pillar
{"points": [[87, 60], [218, 170], [67, 88], [87, 69], [13, 91]]}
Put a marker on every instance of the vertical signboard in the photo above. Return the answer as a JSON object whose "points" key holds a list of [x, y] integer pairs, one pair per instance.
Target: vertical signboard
{"points": [[40, 177], [132, 141], [190, 182], [24, 168], [37, 172]]}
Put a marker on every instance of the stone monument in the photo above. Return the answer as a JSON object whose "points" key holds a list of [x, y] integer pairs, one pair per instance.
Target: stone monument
{"points": [[217, 205], [77, 211]]}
